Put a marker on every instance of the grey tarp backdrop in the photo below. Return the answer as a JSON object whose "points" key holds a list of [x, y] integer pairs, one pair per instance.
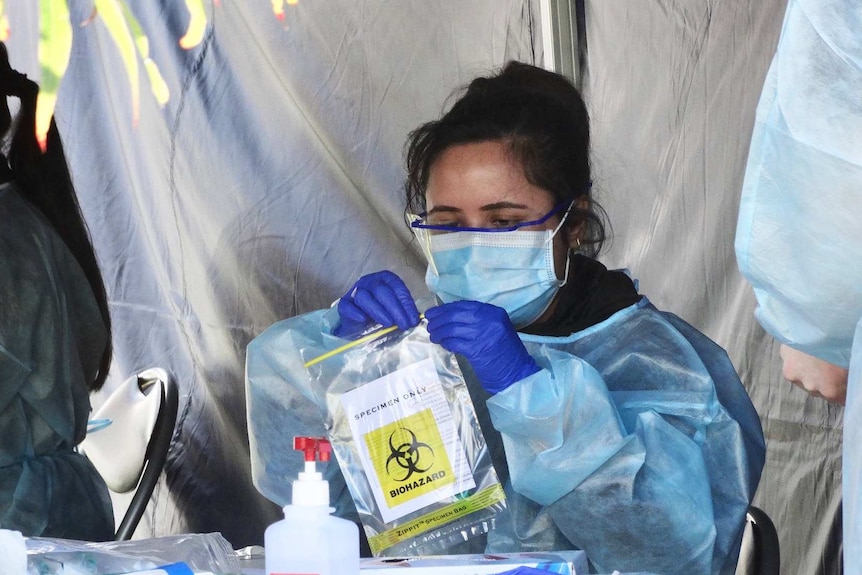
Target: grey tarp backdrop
{"points": [[271, 179]]}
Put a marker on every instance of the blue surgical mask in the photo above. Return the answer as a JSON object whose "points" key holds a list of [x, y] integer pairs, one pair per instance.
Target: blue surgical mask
{"points": [[513, 270]]}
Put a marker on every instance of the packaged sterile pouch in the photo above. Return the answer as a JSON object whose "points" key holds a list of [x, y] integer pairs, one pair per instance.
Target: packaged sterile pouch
{"points": [[405, 434], [199, 552]]}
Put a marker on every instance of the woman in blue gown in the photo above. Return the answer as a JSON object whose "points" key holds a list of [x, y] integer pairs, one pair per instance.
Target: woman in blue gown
{"points": [[616, 428]]}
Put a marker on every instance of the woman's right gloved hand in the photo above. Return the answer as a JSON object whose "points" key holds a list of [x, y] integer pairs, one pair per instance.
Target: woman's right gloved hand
{"points": [[381, 298], [483, 334]]}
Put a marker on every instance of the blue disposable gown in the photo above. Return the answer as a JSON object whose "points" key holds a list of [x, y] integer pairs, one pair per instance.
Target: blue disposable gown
{"points": [[635, 441], [51, 340], [799, 235]]}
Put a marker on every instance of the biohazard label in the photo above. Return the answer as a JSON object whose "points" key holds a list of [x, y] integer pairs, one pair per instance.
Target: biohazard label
{"points": [[409, 457], [407, 440]]}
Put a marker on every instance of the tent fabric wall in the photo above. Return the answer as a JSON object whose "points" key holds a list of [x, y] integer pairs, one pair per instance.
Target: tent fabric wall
{"points": [[270, 180]]}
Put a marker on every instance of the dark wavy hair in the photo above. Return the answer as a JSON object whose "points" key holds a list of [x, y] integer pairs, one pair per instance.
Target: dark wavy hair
{"points": [[542, 119], [43, 180]]}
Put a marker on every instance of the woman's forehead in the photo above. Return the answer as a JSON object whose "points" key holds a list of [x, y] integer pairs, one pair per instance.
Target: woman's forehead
{"points": [[478, 175]]}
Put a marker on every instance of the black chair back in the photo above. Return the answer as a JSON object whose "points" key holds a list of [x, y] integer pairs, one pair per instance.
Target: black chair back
{"points": [[156, 456], [760, 551]]}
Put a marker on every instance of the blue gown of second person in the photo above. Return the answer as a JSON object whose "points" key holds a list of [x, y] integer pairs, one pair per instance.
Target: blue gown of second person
{"points": [[635, 441], [799, 234], [52, 337]]}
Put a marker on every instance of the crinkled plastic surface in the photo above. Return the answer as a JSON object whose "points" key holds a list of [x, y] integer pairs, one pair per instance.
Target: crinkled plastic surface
{"points": [[395, 366], [13, 550], [799, 238], [635, 427], [277, 411], [51, 341], [202, 552], [852, 462]]}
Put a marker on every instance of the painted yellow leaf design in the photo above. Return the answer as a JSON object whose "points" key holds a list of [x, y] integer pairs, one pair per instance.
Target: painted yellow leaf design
{"points": [[4, 22], [197, 24], [112, 15], [158, 86], [54, 47], [278, 8]]}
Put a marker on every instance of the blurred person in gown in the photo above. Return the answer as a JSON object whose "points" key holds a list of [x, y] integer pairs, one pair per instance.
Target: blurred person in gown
{"points": [[799, 234], [54, 335]]}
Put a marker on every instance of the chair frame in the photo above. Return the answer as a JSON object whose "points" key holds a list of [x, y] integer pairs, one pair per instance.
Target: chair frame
{"points": [[766, 555], [155, 458]]}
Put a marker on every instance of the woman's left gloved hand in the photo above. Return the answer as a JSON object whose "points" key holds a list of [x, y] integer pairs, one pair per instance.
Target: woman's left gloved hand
{"points": [[483, 334]]}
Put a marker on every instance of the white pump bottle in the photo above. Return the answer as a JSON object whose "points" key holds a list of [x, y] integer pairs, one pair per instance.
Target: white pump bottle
{"points": [[309, 540]]}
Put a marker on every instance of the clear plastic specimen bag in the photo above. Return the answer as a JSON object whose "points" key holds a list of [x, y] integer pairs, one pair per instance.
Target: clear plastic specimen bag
{"points": [[407, 440]]}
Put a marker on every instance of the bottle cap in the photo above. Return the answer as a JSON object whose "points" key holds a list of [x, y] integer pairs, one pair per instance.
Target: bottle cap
{"points": [[310, 488]]}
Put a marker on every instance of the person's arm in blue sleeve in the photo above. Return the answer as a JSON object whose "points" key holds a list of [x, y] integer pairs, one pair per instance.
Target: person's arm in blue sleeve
{"points": [[281, 405], [280, 397], [621, 496]]}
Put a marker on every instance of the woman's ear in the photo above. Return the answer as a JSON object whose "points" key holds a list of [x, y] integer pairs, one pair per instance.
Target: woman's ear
{"points": [[575, 232]]}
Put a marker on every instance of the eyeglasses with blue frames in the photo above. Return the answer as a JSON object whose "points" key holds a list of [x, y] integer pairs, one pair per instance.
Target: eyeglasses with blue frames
{"points": [[419, 222]]}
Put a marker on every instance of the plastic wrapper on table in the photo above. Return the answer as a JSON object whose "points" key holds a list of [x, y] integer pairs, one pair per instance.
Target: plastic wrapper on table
{"points": [[202, 552]]}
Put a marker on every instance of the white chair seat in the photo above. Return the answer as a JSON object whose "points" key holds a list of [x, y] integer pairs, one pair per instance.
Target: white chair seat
{"points": [[117, 445]]}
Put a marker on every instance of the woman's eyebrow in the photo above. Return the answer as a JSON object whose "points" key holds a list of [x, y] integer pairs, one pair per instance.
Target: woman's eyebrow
{"points": [[503, 205], [444, 209], [485, 208]]}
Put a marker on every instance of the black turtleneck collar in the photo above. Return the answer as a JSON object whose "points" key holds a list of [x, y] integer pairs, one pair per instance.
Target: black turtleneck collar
{"points": [[591, 295]]}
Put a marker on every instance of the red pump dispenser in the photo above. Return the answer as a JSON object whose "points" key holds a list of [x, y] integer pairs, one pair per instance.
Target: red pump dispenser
{"points": [[309, 540]]}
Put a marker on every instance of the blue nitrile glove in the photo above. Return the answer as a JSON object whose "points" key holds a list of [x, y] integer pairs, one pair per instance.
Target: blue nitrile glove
{"points": [[483, 334], [381, 298]]}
